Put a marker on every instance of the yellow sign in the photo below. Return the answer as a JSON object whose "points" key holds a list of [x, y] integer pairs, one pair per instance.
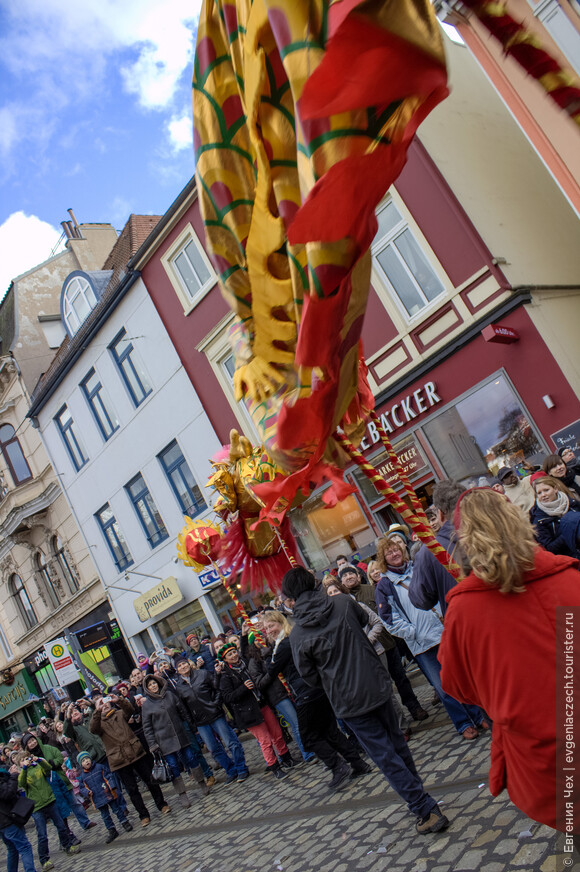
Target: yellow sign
{"points": [[57, 650], [158, 599]]}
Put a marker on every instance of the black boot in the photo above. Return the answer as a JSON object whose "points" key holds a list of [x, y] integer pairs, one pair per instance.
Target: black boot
{"points": [[361, 768], [277, 771], [111, 836], [288, 761], [340, 775]]}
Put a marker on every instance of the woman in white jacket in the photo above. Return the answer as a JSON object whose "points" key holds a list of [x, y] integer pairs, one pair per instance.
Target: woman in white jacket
{"points": [[420, 629]]}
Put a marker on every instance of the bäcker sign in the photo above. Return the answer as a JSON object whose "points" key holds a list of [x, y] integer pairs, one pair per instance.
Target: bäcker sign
{"points": [[409, 457], [402, 413], [158, 599]]}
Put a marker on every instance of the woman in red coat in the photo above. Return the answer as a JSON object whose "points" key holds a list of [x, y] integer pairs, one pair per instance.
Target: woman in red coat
{"points": [[499, 649]]}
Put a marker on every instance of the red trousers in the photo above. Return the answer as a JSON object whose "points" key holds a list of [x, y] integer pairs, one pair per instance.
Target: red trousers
{"points": [[269, 736]]}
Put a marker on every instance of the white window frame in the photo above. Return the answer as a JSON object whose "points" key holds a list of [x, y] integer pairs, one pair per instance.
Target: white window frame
{"points": [[80, 285], [168, 260], [560, 28], [380, 280], [217, 349]]}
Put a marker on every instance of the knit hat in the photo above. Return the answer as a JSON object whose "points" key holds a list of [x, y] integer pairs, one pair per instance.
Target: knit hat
{"points": [[83, 755], [26, 739], [229, 646], [122, 684], [180, 659], [348, 567], [191, 636], [536, 475]]}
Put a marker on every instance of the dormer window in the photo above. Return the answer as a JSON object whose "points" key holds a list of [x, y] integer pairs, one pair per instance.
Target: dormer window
{"points": [[78, 300]]}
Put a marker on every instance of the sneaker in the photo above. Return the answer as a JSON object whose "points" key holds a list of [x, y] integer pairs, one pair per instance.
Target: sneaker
{"points": [[434, 822], [47, 865], [311, 760], [340, 775], [210, 781], [231, 778], [277, 771], [145, 822], [111, 836], [73, 849], [288, 761], [243, 776], [419, 714], [90, 825], [470, 733], [128, 827], [166, 809], [75, 841]]}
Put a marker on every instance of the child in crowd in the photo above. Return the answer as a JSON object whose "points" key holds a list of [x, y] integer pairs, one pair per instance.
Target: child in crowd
{"points": [[94, 783]]}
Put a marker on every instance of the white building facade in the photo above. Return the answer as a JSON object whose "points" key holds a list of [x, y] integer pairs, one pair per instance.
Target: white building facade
{"points": [[125, 430]]}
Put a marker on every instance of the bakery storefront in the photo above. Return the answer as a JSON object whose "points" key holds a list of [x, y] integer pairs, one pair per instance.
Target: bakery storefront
{"points": [[485, 406]]}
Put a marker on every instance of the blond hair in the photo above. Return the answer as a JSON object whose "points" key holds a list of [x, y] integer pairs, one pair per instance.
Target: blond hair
{"points": [[280, 619], [373, 564], [497, 538], [383, 544], [554, 482]]}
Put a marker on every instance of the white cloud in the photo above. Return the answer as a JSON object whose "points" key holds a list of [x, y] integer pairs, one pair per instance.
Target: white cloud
{"points": [[25, 241], [180, 132], [62, 50]]}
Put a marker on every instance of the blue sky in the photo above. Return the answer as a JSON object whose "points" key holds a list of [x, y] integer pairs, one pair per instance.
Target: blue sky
{"points": [[95, 114]]}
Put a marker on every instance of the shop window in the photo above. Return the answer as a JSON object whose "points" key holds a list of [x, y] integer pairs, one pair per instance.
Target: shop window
{"points": [[226, 608], [100, 405], [60, 555], [324, 533], [183, 484], [146, 510], [114, 538], [401, 263], [487, 429], [130, 368], [78, 300], [189, 619], [20, 595], [13, 454], [45, 580], [71, 438], [189, 269]]}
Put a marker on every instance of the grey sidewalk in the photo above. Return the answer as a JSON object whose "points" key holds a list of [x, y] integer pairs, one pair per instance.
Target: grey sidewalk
{"points": [[295, 825]]}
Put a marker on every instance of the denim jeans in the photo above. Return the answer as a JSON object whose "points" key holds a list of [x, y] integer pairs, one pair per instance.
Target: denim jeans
{"points": [[463, 716], [196, 751], [219, 738], [105, 811], [50, 813], [185, 757], [17, 846], [286, 708], [379, 734], [79, 812]]}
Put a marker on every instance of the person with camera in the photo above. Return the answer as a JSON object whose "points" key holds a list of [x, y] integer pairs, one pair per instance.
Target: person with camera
{"points": [[33, 780], [13, 834], [125, 753]]}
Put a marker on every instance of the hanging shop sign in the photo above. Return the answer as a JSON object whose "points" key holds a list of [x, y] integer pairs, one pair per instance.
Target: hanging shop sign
{"points": [[36, 661], [61, 661], [401, 413], [499, 333], [209, 577], [158, 599], [93, 636]]}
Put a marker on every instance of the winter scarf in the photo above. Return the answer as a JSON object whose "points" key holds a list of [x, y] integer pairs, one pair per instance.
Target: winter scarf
{"points": [[556, 508]]}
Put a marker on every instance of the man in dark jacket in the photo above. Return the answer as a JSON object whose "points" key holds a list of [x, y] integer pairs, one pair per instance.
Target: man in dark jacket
{"points": [[199, 654], [330, 648], [197, 691], [365, 593], [431, 582], [13, 836]]}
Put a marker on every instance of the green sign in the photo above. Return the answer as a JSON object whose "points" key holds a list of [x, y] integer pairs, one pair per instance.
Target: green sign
{"points": [[17, 695]]}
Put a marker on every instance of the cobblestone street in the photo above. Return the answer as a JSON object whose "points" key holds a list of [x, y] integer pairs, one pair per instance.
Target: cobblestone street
{"points": [[295, 825]]}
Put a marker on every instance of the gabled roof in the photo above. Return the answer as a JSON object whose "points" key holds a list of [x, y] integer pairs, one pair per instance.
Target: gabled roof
{"points": [[132, 236]]}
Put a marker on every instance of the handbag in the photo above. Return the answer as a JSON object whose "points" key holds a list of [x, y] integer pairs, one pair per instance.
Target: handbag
{"points": [[160, 773], [21, 811]]}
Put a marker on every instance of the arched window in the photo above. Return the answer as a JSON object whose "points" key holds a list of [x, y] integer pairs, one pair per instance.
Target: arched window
{"points": [[23, 604], [45, 579], [13, 454], [63, 564], [78, 299]]}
